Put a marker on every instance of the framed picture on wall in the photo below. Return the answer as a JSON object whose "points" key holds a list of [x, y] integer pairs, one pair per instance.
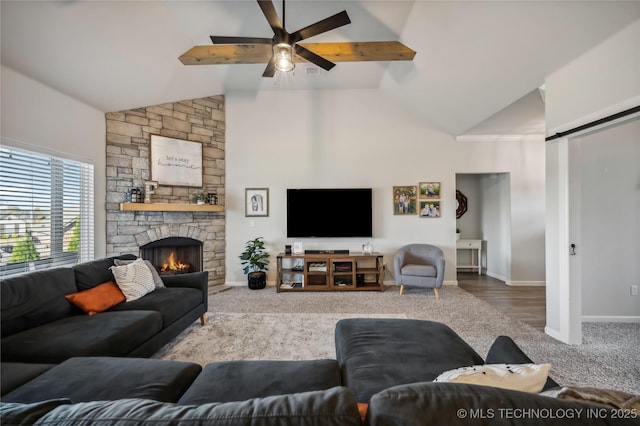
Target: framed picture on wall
{"points": [[404, 200], [430, 208], [429, 190], [176, 162], [256, 202]]}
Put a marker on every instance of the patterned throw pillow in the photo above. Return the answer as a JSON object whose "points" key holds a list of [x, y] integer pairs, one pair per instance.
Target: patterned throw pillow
{"points": [[522, 377], [154, 272], [135, 279]]}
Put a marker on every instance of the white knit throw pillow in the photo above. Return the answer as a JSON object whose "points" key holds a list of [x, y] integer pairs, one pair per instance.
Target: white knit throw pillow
{"points": [[157, 280], [522, 377], [135, 279]]}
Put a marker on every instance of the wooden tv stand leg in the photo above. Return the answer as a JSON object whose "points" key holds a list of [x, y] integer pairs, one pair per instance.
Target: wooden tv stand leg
{"points": [[203, 319]]}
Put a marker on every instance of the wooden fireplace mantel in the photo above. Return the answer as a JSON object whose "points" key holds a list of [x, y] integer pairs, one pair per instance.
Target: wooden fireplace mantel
{"points": [[170, 207]]}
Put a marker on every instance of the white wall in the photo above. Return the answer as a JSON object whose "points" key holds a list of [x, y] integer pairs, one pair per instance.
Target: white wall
{"points": [[609, 211], [511, 227], [469, 223], [603, 81], [39, 118], [359, 138], [496, 224]]}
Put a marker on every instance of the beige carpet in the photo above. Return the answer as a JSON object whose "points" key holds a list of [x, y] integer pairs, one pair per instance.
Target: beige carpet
{"points": [[263, 324], [234, 336]]}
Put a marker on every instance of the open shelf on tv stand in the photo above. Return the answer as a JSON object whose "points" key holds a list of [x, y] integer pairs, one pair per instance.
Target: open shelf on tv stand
{"points": [[330, 272]]}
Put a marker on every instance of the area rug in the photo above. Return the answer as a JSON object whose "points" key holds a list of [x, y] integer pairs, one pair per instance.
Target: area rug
{"points": [[267, 336]]}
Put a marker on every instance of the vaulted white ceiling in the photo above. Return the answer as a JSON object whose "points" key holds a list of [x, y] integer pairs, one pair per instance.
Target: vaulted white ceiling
{"points": [[474, 58]]}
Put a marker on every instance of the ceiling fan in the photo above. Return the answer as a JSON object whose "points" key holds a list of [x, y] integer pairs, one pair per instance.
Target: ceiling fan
{"points": [[282, 50]]}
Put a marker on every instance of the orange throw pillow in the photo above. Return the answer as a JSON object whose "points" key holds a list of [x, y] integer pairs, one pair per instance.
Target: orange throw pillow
{"points": [[97, 299], [363, 407]]}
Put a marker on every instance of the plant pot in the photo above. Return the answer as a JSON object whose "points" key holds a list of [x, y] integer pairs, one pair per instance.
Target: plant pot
{"points": [[257, 280], [457, 236]]}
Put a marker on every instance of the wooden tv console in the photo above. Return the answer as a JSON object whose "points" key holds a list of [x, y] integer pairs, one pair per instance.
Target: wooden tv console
{"points": [[330, 272]]}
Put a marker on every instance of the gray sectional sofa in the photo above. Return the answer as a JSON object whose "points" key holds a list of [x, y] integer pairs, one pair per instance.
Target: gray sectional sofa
{"points": [[39, 325], [133, 391], [382, 375]]}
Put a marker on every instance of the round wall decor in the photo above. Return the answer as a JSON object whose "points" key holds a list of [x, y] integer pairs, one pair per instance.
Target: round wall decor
{"points": [[461, 204]]}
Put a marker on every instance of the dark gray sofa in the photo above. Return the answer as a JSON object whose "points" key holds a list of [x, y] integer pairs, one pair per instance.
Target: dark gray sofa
{"points": [[128, 391], [389, 378], [39, 325]]}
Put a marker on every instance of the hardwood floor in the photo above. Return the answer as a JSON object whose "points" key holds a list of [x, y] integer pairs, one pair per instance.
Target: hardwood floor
{"points": [[528, 304]]}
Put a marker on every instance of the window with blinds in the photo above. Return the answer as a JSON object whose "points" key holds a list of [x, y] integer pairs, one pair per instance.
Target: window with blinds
{"points": [[46, 211]]}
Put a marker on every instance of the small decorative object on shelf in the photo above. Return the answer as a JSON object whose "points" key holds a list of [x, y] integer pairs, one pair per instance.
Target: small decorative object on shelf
{"points": [[256, 261], [150, 187], [212, 198], [367, 248], [134, 195], [199, 197]]}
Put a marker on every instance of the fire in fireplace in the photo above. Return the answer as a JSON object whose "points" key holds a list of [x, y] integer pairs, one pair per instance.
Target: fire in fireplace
{"points": [[174, 255], [171, 265]]}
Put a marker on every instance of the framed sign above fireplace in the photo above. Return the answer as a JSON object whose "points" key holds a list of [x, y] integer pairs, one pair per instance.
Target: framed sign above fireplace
{"points": [[176, 162]]}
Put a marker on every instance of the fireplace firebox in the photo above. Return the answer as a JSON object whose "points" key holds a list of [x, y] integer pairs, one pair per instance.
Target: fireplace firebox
{"points": [[174, 255]]}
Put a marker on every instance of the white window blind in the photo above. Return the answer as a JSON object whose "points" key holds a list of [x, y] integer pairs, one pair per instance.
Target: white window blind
{"points": [[46, 211]]}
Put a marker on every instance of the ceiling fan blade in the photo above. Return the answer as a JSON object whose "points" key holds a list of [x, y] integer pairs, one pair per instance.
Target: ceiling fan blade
{"points": [[270, 13], [227, 54], [270, 70], [361, 51], [312, 57], [240, 40], [328, 24]]}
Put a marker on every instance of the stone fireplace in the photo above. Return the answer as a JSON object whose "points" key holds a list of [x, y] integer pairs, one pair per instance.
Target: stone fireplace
{"points": [[128, 166]]}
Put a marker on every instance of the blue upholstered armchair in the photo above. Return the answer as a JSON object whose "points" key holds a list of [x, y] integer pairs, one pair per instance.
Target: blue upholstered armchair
{"points": [[419, 265]]}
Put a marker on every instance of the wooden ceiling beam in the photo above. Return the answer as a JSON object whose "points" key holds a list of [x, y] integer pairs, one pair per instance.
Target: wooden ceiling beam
{"points": [[334, 52], [361, 51]]}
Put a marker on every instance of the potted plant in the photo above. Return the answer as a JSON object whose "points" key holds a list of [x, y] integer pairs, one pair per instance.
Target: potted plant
{"points": [[255, 260], [457, 233], [200, 197]]}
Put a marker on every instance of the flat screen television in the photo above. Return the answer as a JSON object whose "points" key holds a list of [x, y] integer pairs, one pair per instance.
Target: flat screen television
{"points": [[339, 212]]}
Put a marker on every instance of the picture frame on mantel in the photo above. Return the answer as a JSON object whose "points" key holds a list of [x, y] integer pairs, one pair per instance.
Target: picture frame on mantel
{"points": [[256, 202], [176, 162]]}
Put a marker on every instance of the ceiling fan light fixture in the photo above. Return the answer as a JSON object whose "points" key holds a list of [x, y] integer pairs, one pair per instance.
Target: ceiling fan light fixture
{"points": [[283, 57]]}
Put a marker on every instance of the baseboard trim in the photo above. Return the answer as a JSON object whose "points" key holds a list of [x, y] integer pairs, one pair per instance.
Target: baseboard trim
{"points": [[517, 283], [553, 333], [603, 318], [496, 276], [526, 283], [273, 283]]}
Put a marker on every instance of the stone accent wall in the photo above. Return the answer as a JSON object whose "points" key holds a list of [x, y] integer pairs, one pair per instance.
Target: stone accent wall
{"points": [[128, 152]]}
